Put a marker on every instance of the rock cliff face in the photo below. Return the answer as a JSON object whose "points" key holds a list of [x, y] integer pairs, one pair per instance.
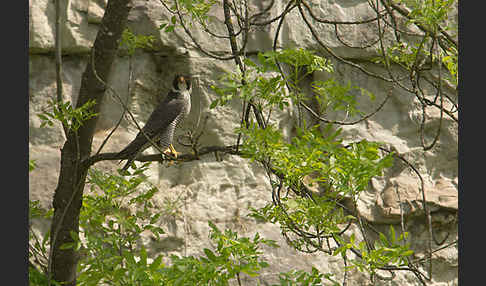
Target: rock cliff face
{"points": [[222, 189]]}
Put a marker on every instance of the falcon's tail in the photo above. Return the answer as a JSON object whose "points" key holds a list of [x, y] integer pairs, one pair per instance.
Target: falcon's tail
{"points": [[130, 152]]}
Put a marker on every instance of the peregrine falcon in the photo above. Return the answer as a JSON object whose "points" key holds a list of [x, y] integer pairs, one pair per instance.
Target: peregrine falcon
{"points": [[162, 122]]}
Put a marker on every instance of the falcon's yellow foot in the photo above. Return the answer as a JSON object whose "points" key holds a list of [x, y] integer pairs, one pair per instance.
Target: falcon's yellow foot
{"points": [[174, 151], [171, 152]]}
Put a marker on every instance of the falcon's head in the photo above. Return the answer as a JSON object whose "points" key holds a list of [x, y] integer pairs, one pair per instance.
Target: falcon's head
{"points": [[181, 83]]}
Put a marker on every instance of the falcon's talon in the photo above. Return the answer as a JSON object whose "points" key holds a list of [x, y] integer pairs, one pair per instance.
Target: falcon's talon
{"points": [[173, 150]]}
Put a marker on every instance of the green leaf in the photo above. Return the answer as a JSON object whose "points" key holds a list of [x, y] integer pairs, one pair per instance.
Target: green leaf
{"points": [[42, 117], [210, 254], [156, 263], [169, 29], [214, 104], [263, 264], [392, 234], [250, 273], [67, 245], [407, 253], [143, 256], [74, 235], [32, 165], [249, 62], [383, 239]]}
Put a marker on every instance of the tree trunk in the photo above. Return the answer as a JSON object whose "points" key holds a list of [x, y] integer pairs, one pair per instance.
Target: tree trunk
{"points": [[69, 192]]}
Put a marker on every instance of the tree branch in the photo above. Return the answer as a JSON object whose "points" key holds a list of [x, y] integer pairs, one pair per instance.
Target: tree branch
{"points": [[231, 149]]}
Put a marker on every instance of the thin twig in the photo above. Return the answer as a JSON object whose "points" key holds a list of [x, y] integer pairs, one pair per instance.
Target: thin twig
{"points": [[58, 52], [334, 55], [130, 72], [439, 93], [404, 12], [348, 123], [196, 43], [334, 22]]}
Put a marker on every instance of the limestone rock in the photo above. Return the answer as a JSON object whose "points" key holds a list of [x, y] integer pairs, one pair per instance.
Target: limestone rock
{"points": [[96, 9], [403, 197], [76, 33]]}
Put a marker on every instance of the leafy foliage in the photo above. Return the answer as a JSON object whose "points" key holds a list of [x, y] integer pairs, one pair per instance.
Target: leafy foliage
{"points": [[385, 252], [115, 213], [348, 169], [131, 42], [197, 8], [315, 154], [450, 60], [233, 256], [112, 219], [169, 27], [299, 277], [38, 245], [70, 117], [429, 13], [32, 165], [345, 171], [332, 95], [432, 15], [267, 88]]}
